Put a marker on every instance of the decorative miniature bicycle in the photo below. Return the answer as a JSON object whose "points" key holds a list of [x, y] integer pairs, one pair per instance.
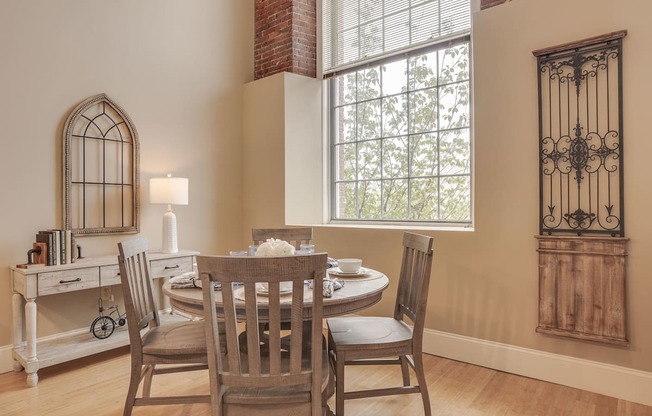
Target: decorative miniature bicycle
{"points": [[104, 325]]}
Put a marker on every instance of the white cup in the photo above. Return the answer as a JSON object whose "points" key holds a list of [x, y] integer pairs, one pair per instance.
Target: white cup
{"points": [[349, 265], [283, 286], [307, 248]]}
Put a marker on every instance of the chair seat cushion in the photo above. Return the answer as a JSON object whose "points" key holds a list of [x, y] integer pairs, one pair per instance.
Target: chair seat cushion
{"points": [[369, 331], [180, 338]]}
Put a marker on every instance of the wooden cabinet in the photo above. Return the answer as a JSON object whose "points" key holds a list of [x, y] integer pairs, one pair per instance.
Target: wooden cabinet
{"points": [[29, 284]]}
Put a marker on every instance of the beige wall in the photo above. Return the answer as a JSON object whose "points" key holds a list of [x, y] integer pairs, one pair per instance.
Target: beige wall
{"points": [[485, 282], [176, 67]]}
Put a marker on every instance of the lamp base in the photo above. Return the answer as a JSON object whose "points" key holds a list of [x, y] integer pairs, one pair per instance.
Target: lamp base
{"points": [[169, 232]]}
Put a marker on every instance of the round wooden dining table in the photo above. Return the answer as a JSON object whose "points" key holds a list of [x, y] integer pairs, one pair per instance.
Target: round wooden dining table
{"points": [[358, 293]]}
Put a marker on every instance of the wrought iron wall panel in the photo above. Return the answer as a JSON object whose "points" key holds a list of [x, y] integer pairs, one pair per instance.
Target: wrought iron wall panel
{"points": [[580, 131]]}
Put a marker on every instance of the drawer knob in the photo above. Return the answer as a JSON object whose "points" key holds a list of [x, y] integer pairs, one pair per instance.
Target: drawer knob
{"points": [[171, 267], [70, 281]]}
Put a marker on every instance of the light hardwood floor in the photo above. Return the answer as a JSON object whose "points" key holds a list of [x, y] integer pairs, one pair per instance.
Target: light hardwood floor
{"points": [[96, 386]]}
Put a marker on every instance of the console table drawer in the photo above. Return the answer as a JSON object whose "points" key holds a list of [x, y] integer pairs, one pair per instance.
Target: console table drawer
{"points": [[110, 275], [170, 267], [68, 280]]}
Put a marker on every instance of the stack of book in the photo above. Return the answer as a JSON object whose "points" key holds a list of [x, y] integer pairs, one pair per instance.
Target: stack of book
{"points": [[60, 246]]}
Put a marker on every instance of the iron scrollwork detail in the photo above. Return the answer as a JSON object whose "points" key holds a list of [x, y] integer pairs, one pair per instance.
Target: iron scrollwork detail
{"points": [[580, 125]]}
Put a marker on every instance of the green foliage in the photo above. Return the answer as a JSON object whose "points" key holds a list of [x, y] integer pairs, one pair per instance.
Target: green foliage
{"points": [[402, 140]]}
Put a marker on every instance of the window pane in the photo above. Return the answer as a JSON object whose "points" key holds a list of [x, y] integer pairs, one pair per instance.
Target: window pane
{"points": [[394, 78], [345, 89], [345, 162], [455, 152], [345, 200], [454, 64], [392, 6], [454, 105], [369, 200], [395, 157], [424, 199], [349, 52], [425, 22], [423, 110], [423, 150], [349, 13], [370, 9], [344, 123], [397, 31], [456, 198], [395, 115], [369, 120], [368, 83], [395, 199], [371, 39], [369, 160], [423, 71]]}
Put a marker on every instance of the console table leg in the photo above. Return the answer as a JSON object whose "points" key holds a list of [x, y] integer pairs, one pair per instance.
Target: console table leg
{"points": [[30, 326], [17, 312], [32, 379]]}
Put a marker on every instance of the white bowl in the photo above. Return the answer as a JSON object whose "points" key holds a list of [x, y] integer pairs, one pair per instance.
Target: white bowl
{"points": [[349, 265]]}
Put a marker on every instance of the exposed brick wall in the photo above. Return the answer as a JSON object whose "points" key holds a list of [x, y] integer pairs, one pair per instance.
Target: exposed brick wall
{"points": [[285, 38]]}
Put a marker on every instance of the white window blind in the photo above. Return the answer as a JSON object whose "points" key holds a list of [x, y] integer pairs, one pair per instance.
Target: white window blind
{"points": [[357, 31]]}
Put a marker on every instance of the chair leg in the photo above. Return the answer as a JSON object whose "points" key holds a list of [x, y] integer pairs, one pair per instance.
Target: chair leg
{"points": [[339, 384], [423, 387], [147, 382], [405, 370], [134, 381], [214, 391]]}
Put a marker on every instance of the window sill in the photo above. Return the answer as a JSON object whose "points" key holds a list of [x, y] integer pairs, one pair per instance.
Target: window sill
{"points": [[395, 226]]}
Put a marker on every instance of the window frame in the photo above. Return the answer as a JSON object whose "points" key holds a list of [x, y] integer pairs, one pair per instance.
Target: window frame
{"points": [[331, 158]]}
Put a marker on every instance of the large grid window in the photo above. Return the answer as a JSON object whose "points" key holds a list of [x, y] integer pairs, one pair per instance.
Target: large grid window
{"points": [[400, 142]]}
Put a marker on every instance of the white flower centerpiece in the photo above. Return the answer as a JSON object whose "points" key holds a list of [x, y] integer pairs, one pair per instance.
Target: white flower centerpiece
{"points": [[274, 247]]}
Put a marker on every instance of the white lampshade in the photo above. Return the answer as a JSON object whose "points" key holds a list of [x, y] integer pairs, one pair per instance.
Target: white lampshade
{"points": [[173, 191], [170, 191]]}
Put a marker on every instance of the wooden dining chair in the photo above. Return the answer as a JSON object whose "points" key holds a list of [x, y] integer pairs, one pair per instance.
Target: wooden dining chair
{"points": [[375, 340], [262, 378], [293, 235], [181, 343]]}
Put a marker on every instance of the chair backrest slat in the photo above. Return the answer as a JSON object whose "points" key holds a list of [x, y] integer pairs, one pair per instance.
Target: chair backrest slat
{"points": [[414, 279], [296, 341], [274, 329], [265, 365], [295, 235], [230, 323], [140, 304], [253, 335]]}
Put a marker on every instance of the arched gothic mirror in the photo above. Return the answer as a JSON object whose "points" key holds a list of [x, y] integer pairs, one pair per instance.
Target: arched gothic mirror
{"points": [[100, 169]]}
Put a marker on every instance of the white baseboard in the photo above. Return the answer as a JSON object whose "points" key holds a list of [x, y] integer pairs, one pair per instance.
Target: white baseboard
{"points": [[610, 380], [6, 362]]}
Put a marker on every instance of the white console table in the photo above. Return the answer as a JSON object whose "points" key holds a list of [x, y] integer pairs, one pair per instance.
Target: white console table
{"points": [[28, 284]]}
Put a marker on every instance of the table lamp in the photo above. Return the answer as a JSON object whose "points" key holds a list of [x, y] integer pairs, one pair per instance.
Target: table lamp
{"points": [[170, 191]]}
